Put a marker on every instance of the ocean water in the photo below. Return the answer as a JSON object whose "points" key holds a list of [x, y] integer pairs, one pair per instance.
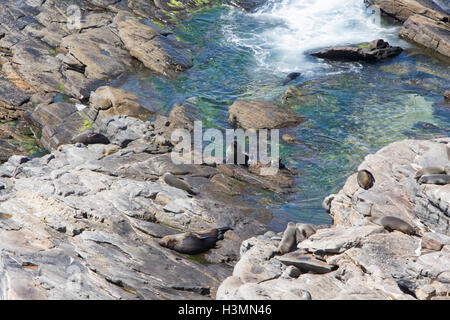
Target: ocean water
{"points": [[353, 108]]}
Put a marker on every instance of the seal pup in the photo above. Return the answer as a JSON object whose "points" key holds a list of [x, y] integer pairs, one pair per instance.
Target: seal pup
{"points": [[194, 242], [288, 242], [178, 183], [90, 137], [291, 76], [439, 179], [304, 231], [429, 170], [233, 152], [391, 223], [365, 179]]}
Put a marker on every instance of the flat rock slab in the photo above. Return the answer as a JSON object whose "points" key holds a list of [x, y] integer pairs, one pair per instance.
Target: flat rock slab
{"points": [[262, 115], [339, 239], [428, 33], [376, 50], [305, 262]]}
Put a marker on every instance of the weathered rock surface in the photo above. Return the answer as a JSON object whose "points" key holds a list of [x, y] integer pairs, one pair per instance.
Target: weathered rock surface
{"points": [[156, 49], [357, 259], [376, 50], [269, 115], [81, 223], [426, 22]]}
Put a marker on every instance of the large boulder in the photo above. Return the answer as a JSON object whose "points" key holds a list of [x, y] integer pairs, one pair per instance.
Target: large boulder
{"points": [[108, 101], [262, 115], [427, 32], [156, 49]]}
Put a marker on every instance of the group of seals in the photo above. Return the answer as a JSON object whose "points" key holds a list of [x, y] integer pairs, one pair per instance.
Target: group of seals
{"points": [[391, 223], [433, 175], [365, 179], [178, 183], [294, 234], [194, 242]]}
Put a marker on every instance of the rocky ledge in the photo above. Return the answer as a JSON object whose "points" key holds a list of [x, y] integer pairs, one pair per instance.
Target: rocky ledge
{"points": [[355, 258], [84, 222], [425, 22]]}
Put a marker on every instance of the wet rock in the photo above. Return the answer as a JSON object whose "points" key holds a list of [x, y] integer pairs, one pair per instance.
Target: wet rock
{"points": [[270, 115], [376, 50], [248, 5]]}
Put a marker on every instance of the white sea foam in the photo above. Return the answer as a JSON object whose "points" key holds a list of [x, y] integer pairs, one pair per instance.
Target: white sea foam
{"points": [[282, 32]]}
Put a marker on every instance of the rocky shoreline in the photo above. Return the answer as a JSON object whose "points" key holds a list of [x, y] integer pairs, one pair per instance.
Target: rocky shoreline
{"points": [[356, 259], [424, 22], [84, 221]]}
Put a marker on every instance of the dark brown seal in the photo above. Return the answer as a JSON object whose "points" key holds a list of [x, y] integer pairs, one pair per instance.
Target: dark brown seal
{"points": [[194, 242], [365, 179], [391, 223], [178, 183], [429, 170], [439, 179], [90, 137]]}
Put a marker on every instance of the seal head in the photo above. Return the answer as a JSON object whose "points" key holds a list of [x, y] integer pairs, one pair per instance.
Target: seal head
{"points": [[365, 179]]}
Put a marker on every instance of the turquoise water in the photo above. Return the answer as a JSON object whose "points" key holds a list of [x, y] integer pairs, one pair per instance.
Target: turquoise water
{"points": [[354, 109]]}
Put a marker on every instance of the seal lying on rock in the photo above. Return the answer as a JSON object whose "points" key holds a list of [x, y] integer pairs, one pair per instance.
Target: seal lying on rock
{"points": [[430, 170], [178, 183], [194, 242], [365, 179], [90, 137], [391, 223], [440, 179], [288, 241]]}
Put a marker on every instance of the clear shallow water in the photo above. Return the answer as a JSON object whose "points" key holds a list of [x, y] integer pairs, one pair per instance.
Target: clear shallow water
{"points": [[355, 110]]}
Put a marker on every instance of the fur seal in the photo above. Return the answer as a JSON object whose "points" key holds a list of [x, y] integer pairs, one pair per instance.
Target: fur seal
{"points": [[365, 179], [429, 170], [391, 223], [178, 183], [233, 152], [439, 179], [288, 242], [304, 231], [291, 76], [90, 137], [194, 242]]}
